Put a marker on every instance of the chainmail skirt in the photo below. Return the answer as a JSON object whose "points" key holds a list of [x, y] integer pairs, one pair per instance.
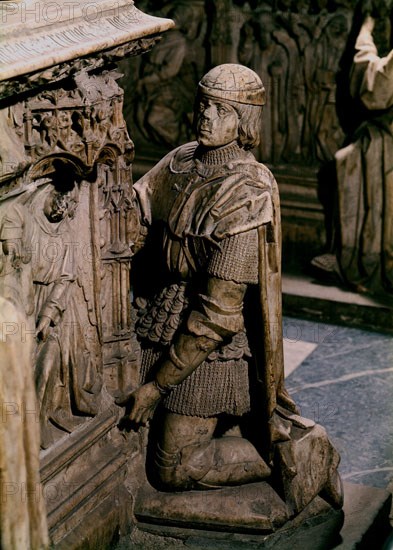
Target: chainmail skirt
{"points": [[214, 387]]}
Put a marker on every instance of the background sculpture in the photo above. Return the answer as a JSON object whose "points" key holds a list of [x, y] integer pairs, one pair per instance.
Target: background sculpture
{"points": [[322, 132], [364, 169], [210, 312], [164, 100], [272, 53], [277, 40], [362, 256]]}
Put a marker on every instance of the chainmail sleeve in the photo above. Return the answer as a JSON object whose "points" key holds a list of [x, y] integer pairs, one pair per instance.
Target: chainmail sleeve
{"points": [[236, 259]]}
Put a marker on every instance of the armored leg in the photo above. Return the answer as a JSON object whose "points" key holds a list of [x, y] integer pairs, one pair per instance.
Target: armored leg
{"points": [[188, 457]]}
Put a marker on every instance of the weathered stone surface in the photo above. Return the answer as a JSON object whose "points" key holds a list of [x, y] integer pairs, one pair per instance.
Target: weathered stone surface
{"points": [[308, 464], [317, 527], [83, 35], [83, 472], [364, 523], [66, 235], [23, 521], [255, 507]]}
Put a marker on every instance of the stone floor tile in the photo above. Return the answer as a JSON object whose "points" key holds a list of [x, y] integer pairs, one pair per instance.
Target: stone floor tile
{"points": [[347, 386], [295, 354]]}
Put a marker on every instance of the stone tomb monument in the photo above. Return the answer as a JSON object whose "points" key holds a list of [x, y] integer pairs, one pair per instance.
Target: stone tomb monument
{"points": [[200, 350], [66, 226]]}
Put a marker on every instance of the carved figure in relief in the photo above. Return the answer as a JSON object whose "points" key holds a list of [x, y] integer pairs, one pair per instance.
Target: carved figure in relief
{"points": [[322, 130], [48, 283], [168, 78], [68, 139], [48, 127], [273, 55], [11, 144], [102, 122], [210, 321]]}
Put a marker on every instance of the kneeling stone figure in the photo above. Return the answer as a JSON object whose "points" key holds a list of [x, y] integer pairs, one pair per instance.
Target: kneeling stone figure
{"points": [[209, 324]]}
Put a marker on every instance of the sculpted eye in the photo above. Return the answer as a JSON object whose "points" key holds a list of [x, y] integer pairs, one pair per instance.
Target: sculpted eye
{"points": [[224, 110]]}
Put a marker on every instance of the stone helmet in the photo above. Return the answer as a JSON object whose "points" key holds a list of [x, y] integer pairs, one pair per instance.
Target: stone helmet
{"points": [[233, 82]]}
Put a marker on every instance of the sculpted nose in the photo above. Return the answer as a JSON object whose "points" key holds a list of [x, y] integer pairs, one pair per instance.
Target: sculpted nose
{"points": [[207, 113]]}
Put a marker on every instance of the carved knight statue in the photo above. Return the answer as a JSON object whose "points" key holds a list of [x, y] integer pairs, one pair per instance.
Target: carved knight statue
{"points": [[209, 311]]}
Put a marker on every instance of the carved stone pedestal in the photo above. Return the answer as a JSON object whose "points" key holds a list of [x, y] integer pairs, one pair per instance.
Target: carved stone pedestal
{"points": [[244, 517], [364, 523], [253, 508]]}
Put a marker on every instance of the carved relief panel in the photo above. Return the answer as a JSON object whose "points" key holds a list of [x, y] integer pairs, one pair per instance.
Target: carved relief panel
{"points": [[65, 231], [160, 86]]}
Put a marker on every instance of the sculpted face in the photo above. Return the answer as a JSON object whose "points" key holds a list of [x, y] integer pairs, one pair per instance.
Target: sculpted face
{"points": [[64, 118], [217, 123], [56, 206]]}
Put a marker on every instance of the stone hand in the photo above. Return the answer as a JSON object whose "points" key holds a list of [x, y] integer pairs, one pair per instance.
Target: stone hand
{"points": [[43, 328], [145, 399]]}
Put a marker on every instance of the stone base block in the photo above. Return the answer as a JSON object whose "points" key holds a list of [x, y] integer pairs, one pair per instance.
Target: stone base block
{"points": [[317, 527], [250, 516], [247, 508]]}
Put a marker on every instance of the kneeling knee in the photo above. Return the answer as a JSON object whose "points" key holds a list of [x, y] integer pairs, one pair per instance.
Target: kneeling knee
{"points": [[183, 469]]}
